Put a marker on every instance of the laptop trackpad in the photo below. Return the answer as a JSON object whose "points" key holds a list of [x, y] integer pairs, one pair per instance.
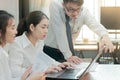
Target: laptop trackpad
{"points": [[71, 73]]}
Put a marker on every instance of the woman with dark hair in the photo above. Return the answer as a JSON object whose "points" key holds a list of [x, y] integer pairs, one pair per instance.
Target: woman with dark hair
{"points": [[7, 34], [30, 41]]}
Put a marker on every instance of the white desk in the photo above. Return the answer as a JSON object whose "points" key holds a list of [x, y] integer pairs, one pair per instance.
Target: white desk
{"points": [[85, 47], [105, 72]]}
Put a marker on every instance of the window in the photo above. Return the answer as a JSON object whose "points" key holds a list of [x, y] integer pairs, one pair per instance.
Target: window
{"points": [[94, 8]]}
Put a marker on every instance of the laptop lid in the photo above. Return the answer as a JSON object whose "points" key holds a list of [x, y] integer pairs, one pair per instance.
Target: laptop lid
{"points": [[63, 74], [90, 66]]}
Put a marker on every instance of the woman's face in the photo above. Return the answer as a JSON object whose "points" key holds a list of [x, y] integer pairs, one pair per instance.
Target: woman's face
{"points": [[10, 31], [41, 29]]}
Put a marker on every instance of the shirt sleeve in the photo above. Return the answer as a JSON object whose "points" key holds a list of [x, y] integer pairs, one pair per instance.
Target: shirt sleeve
{"points": [[16, 60], [93, 24], [2, 73], [57, 23], [43, 62], [5, 73]]}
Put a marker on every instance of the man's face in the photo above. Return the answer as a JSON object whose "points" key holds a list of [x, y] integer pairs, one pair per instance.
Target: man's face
{"points": [[72, 9]]}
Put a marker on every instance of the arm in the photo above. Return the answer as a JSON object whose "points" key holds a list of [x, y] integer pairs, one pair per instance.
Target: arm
{"points": [[33, 76], [4, 69], [16, 60], [58, 68], [98, 28], [106, 43], [37, 76], [93, 24], [43, 62]]}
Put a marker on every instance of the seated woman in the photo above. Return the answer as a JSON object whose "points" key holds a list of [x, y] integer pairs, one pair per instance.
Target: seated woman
{"points": [[7, 34], [29, 41]]}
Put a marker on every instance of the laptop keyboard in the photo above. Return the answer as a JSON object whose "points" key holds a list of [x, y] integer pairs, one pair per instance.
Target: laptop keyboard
{"points": [[71, 73], [81, 65], [75, 72]]}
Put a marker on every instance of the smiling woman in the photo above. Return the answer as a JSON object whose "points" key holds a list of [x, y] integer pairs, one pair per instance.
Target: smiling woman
{"points": [[7, 28], [7, 35]]}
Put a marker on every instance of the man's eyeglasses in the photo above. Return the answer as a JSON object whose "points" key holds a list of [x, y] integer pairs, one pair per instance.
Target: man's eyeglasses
{"points": [[71, 10]]}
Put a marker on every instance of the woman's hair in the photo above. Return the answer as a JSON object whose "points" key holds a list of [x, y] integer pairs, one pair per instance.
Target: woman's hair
{"points": [[4, 18], [80, 2], [34, 18]]}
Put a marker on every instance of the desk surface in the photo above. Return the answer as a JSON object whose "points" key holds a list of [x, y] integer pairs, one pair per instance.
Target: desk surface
{"points": [[85, 47], [86, 43], [105, 72]]}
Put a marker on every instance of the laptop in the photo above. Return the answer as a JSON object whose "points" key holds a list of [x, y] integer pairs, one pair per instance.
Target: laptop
{"points": [[74, 74]]}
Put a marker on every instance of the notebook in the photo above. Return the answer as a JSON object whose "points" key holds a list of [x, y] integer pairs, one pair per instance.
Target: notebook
{"points": [[74, 74]]}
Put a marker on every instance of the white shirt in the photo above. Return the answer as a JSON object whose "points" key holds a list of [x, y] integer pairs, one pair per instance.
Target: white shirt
{"points": [[5, 73], [57, 37], [43, 62], [22, 54]]}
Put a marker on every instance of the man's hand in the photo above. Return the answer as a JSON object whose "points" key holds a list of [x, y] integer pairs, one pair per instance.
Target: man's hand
{"points": [[106, 43], [74, 59]]}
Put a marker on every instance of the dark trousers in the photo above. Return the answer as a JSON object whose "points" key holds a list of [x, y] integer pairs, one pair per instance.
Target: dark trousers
{"points": [[54, 53]]}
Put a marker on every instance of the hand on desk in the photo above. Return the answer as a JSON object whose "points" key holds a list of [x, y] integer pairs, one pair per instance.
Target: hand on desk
{"points": [[58, 68], [106, 43], [64, 65], [74, 59]]}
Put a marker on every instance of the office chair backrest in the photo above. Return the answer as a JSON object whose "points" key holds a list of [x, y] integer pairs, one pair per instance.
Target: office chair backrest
{"points": [[110, 58]]}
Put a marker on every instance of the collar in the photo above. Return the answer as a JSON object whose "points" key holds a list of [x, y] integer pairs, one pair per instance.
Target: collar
{"points": [[26, 41]]}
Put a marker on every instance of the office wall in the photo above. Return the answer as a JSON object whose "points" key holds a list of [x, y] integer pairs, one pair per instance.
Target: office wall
{"points": [[42, 5], [12, 6]]}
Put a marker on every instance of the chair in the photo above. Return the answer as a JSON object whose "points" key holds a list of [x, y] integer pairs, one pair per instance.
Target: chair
{"points": [[110, 58], [118, 55]]}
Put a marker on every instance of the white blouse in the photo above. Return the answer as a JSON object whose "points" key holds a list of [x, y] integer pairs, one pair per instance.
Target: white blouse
{"points": [[22, 54], [43, 62], [5, 73]]}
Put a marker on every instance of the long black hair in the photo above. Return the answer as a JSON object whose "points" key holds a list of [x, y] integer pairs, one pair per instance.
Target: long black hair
{"points": [[34, 18]]}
